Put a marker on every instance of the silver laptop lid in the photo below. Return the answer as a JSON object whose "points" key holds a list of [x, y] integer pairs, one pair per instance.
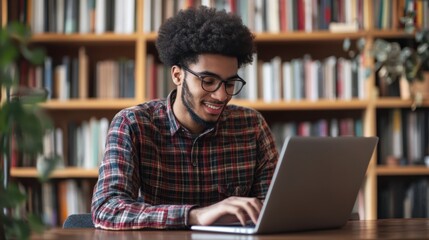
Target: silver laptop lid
{"points": [[315, 183]]}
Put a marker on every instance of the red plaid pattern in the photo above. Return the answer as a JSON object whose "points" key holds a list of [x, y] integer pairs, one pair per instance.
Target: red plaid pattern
{"points": [[154, 170]]}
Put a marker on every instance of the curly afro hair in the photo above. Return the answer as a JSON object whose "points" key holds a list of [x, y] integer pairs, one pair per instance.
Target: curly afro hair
{"points": [[204, 30]]}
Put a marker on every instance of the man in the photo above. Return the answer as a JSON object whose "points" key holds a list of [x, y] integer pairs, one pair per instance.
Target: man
{"points": [[190, 159]]}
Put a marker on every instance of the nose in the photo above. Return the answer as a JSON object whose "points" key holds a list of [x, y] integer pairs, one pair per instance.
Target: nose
{"points": [[220, 94]]}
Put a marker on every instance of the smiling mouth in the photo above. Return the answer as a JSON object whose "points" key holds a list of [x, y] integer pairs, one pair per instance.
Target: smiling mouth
{"points": [[214, 107]]}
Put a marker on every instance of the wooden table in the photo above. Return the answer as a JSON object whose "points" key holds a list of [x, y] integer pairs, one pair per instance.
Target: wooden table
{"points": [[376, 229]]}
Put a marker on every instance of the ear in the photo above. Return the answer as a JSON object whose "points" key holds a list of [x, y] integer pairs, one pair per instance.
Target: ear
{"points": [[176, 75]]}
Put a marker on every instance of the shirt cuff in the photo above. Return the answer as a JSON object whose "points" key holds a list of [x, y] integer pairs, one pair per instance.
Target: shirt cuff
{"points": [[187, 211]]}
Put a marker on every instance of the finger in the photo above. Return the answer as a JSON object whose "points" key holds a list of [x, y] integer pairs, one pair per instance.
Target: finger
{"points": [[258, 204], [239, 214], [251, 212], [252, 208], [249, 208]]}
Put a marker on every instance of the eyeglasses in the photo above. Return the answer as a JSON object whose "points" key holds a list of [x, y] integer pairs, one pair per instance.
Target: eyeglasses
{"points": [[211, 83]]}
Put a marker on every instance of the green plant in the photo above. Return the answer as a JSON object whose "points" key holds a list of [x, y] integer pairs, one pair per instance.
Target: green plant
{"points": [[394, 61], [417, 60], [23, 121]]}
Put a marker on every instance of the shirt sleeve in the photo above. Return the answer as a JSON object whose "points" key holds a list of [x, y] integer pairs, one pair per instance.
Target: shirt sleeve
{"points": [[267, 159], [116, 204]]}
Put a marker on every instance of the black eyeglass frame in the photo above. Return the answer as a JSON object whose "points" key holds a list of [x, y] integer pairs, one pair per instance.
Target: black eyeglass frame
{"points": [[224, 81]]}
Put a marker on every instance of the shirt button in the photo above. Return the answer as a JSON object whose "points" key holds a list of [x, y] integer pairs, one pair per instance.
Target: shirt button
{"points": [[194, 163]]}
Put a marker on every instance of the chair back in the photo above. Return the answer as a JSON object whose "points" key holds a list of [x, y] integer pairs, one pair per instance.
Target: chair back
{"points": [[82, 220]]}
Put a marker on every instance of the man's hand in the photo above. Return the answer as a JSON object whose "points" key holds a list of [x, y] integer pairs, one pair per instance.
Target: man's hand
{"points": [[227, 211]]}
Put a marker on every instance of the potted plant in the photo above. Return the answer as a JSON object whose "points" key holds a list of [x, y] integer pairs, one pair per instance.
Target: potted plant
{"points": [[409, 65], [22, 121], [417, 66]]}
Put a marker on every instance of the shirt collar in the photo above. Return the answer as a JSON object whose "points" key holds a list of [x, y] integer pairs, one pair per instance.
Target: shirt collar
{"points": [[174, 124]]}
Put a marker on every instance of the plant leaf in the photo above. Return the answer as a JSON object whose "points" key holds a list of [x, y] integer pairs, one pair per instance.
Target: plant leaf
{"points": [[36, 223], [19, 32], [35, 56], [8, 55], [17, 229], [360, 44], [12, 196], [7, 80], [346, 44], [32, 96], [4, 115], [46, 165]]}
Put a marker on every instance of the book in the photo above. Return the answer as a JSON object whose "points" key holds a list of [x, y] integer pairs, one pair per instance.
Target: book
{"points": [[147, 16], [70, 16], [100, 16], [61, 86], [83, 73], [84, 16], [343, 27], [60, 16], [38, 14]]}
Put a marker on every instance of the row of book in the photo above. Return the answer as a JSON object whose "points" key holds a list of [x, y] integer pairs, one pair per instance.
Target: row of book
{"points": [[68, 78], [52, 146], [277, 80], [82, 145], [119, 16], [387, 14], [269, 15], [322, 127], [403, 199], [86, 142], [403, 136], [305, 79], [158, 79], [115, 79], [82, 16], [53, 201]]}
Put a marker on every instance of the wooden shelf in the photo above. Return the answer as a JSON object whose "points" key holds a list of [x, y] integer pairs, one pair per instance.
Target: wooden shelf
{"points": [[88, 104], [399, 33], [307, 36], [118, 104], [402, 170], [316, 35], [69, 172], [392, 102], [293, 36], [75, 37], [260, 37], [150, 37], [303, 105]]}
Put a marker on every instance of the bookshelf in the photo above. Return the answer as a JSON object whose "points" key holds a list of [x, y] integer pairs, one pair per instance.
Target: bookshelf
{"points": [[69, 172], [288, 45]]}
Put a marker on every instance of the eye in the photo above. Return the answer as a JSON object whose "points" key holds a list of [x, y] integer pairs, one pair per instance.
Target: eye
{"points": [[233, 82], [210, 80], [230, 84]]}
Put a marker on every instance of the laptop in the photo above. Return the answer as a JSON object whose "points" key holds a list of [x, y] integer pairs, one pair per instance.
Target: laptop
{"points": [[314, 186]]}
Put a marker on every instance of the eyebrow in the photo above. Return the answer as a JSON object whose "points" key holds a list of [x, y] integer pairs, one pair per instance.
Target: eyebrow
{"points": [[208, 73]]}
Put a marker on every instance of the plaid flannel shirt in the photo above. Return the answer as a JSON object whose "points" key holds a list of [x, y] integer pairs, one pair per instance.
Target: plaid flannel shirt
{"points": [[154, 170]]}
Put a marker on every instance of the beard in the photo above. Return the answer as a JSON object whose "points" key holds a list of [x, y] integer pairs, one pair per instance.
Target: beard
{"points": [[186, 99]]}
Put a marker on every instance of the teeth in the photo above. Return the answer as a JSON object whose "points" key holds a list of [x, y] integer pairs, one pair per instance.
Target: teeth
{"points": [[213, 107]]}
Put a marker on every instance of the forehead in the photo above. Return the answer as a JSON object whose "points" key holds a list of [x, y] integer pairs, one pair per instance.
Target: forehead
{"points": [[224, 66]]}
